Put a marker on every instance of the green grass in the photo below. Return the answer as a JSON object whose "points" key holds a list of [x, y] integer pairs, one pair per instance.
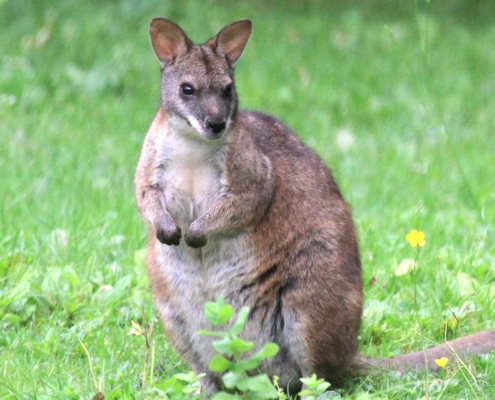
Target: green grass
{"points": [[398, 99]]}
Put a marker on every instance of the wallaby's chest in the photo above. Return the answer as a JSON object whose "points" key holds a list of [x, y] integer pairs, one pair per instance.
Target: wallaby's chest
{"points": [[194, 182], [191, 176]]}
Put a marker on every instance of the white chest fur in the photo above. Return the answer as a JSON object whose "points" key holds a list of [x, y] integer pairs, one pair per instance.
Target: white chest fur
{"points": [[190, 171]]}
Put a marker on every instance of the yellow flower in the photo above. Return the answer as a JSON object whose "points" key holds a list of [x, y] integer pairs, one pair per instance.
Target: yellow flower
{"points": [[442, 362], [416, 238]]}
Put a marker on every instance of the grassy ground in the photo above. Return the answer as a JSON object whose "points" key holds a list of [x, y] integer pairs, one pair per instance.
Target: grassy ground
{"points": [[397, 98]]}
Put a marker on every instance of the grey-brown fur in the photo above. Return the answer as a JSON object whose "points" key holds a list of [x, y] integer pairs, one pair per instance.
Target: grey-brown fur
{"points": [[238, 206]]}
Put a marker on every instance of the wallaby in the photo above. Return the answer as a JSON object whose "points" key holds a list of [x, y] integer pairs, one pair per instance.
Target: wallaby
{"points": [[238, 206]]}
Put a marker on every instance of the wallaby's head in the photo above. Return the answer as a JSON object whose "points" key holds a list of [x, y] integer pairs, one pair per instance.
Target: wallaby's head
{"points": [[198, 81]]}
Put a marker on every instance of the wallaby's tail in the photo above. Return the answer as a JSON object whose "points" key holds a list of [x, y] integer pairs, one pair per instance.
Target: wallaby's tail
{"points": [[464, 347]]}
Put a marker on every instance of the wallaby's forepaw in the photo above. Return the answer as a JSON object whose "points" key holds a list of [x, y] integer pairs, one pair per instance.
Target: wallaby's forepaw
{"points": [[195, 241], [195, 237], [170, 234]]}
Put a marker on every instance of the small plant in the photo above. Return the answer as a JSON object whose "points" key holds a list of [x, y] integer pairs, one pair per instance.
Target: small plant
{"points": [[417, 239], [97, 385], [146, 330], [315, 387], [442, 363], [281, 393], [192, 381], [229, 360]]}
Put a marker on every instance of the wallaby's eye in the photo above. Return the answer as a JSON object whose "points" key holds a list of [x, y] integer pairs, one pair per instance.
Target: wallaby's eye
{"points": [[186, 90], [228, 90]]}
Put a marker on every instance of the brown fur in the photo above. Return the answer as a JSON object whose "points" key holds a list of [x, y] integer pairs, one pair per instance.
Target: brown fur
{"points": [[238, 206]]}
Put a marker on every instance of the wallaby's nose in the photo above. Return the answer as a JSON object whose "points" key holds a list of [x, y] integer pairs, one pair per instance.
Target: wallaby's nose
{"points": [[215, 125]]}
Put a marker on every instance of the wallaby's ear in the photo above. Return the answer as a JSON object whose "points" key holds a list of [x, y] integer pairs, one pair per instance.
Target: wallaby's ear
{"points": [[232, 39], [168, 40]]}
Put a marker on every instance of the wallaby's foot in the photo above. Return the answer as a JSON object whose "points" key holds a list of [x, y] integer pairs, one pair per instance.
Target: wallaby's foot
{"points": [[168, 234]]}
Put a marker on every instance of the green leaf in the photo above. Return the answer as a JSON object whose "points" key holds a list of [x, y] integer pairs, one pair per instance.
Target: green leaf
{"points": [[260, 384], [311, 382], [225, 314], [71, 276], [240, 346], [211, 312], [219, 364], [218, 313], [223, 346], [191, 388], [241, 321], [269, 350], [169, 385], [231, 380], [19, 292], [189, 377], [10, 262], [315, 386], [11, 319], [232, 346], [246, 365], [212, 333], [264, 395], [322, 387]]}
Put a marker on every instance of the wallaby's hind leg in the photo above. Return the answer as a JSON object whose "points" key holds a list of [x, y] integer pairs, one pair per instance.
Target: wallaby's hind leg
{"points": [[328, 303]]}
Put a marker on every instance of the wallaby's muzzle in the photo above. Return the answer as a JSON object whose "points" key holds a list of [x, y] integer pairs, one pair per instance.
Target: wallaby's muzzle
{"points": [[215, 125]]}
